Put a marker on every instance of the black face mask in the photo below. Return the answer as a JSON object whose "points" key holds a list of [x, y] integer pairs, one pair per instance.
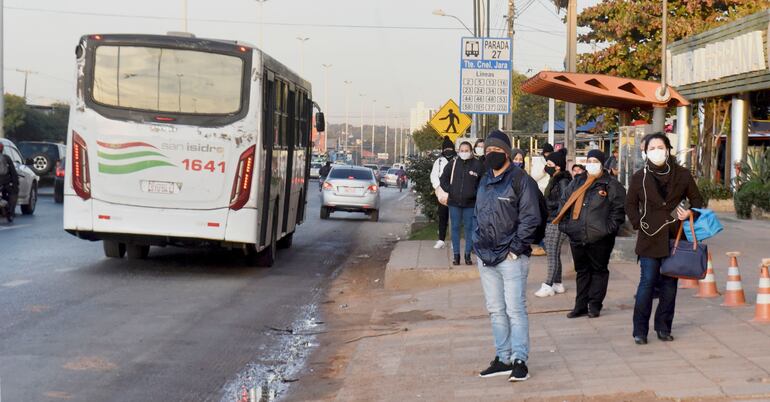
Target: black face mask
{"points": [[551, 170], [496, 160], [449, 154]]}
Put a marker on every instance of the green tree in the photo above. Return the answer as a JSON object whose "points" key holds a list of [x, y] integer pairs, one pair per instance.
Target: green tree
{"points": [[427, 139], [14, 113]]}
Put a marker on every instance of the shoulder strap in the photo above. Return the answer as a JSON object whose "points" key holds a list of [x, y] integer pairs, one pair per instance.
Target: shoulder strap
{"points": [[452, 177]]}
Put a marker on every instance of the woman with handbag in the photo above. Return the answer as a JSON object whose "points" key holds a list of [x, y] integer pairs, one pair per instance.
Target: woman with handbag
{"points": [[653, 208]]}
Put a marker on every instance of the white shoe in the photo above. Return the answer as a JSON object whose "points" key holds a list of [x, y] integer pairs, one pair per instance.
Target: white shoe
{"points": [[558, 288], [545, 291], [439, 244]]}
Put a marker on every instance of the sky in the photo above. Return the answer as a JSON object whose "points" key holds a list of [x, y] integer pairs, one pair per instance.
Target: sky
{"points": [[395, 52]]}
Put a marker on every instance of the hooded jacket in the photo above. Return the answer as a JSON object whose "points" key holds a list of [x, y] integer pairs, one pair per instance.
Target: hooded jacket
{"points": [[556, 187], [506, 223], [463, 184], [602, 213]]}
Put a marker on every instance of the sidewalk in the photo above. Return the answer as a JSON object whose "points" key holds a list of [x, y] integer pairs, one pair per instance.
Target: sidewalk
{"points": [[441, 338]]}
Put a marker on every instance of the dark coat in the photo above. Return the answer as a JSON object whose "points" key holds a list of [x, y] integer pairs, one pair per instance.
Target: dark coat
{"points": [[506, 223], [556, 186], [602, 212], [680, 186], [12, 177], [463, 186]]}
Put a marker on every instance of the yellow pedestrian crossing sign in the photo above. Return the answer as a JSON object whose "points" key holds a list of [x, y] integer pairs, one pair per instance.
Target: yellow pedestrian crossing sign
{"points": [[449, 121]]}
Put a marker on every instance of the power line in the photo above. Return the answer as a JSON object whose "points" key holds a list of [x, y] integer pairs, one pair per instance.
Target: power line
{"points": [[220, 21]]}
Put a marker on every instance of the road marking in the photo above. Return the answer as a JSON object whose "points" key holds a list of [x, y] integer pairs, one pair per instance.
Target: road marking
{"points": [[403, 196], [14, 227], [65, 269], [18, 282]]}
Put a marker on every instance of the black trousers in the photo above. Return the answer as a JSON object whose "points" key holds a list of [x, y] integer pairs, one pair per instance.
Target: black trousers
{"points": [[591, 261], [11, 195], [443, 221], [649, 280]]}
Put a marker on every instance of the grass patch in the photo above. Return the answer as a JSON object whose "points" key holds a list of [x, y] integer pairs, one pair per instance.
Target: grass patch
{"points": [[429, 232]]}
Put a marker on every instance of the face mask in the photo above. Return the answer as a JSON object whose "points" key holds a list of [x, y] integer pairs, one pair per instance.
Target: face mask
{"points": [[519, 164], [593, 169], [465, 155], [479, 151], [496, 160], [657, 156], [450, 154], [551, 170]]}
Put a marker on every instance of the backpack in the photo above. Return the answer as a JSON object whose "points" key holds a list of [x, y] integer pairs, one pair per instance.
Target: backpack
{"points": [[540, 231]]}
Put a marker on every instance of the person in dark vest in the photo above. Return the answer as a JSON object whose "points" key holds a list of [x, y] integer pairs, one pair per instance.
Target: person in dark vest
{"points": [[592, 210], [653, 208]]}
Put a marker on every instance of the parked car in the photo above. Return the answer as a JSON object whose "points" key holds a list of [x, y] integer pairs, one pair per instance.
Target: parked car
{"points": [[351, 189], [314, 168], [375, 169], [42, 156], [58, 181], [28, 180]]}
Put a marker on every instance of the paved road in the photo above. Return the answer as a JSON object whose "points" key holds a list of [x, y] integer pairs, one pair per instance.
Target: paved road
{"points": [[182, 325]]}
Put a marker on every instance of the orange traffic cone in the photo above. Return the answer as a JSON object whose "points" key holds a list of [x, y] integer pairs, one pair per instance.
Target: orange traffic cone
{"points": [[708, 286], [734, 295], [762, 311], [688, 284]]}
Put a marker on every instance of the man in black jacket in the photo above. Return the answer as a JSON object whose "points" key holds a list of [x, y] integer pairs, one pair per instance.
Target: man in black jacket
{"points": [[593, 208], [460, 180], [508, 215], [9, 182]]}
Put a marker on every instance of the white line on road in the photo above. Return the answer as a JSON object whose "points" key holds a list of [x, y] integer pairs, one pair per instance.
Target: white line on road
{"points": [[18, 282], [403, 196], [14, 227]]}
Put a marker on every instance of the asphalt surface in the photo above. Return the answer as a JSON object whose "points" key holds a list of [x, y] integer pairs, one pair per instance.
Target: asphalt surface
{"points": [[183, 325]]}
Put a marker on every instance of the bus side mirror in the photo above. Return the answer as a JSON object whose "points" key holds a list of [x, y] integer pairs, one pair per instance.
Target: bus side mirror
{"points": [[320, 122]]}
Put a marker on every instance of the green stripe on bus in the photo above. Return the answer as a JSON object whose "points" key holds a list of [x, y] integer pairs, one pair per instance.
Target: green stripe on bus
{"points": [[128, 155], [131, 168]]}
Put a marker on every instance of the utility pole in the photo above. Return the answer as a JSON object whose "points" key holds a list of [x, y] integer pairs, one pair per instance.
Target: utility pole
{"points": [[302, 41], [510, 19], [662, 94], [361, 145], [260, 4], [26, 78], [184, 15], [570, 112], [326, 100], [387, 108], [374, 104], [347, 113], [2, 90]]}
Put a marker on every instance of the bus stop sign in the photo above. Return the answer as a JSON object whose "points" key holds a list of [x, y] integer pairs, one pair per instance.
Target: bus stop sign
{"points": [[485, 75]]}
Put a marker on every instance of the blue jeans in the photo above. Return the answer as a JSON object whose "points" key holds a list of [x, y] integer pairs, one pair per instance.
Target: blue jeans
{"points": [[505, 293], [464, 216], [664, 315]]}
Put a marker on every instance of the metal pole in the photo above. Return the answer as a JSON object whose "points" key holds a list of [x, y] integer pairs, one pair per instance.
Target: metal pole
{"points": [[374, 104], [551, 120], [683, 122], [2, 90], [184, 15], [570, 115], [511, 31], [659, 111], [387, 108], [361, 145], [261, 17], [302, 41], [739, 132], [326, 99], [347, 114]]}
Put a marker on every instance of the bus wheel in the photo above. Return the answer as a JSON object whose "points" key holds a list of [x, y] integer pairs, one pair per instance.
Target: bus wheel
{"points": [[266, 257], [286, 241], [137, 252], [324, 213], [113, 249]]}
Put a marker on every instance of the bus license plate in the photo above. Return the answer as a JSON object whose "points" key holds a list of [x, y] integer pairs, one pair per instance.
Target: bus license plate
{"points": [[160, 187]]}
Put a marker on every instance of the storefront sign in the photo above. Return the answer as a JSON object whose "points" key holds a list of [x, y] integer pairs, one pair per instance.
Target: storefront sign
{"points": [[738, 55]]}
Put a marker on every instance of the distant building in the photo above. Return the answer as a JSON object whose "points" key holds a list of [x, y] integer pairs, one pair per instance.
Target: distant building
{"points": [[419, 116]]}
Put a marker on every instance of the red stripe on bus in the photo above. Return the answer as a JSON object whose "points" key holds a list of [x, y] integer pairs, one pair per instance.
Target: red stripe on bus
{"points": [[125, 145], [104, 217], [213, 224]]}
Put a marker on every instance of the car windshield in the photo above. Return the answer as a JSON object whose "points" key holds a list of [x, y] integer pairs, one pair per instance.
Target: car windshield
{"points": [[393, 171], [352, 174]]}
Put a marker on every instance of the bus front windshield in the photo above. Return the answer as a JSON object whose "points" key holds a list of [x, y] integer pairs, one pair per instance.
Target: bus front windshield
{"points": [[167, 80]]}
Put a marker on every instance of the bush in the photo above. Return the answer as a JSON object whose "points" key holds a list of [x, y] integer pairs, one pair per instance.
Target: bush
{"points": [[753, 184], [713, 191], [419, 173]]}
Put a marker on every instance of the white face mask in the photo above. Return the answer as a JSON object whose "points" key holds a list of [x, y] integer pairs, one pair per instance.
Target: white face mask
{"points": [[593, 169], [479, 151], [465, 155], [657, 156]]}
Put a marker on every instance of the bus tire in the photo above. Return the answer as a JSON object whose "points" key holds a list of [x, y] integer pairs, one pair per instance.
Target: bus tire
{"points": [[137, 251], [286, 241], [266, 257], [113, 249]]}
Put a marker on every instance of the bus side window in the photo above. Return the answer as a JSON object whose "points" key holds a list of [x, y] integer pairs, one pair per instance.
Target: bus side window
{"points": [[268, 102], [284, 114], [277, 114]]}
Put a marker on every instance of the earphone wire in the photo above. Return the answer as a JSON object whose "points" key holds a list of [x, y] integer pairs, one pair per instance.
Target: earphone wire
{"points": [[642, 224]]}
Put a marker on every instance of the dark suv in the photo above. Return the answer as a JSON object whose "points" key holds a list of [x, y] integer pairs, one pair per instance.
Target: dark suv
{"points": [[42, 156]]}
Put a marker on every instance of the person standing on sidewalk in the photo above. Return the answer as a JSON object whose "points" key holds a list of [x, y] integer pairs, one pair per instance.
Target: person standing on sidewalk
{"points": [[593, 208], [447, 154], [653, 207], [508, 216], [556, 167], [461, 181]]}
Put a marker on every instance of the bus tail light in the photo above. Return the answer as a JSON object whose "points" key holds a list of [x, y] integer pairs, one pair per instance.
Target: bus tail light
{"points": [[81, 179], [243, 177]]}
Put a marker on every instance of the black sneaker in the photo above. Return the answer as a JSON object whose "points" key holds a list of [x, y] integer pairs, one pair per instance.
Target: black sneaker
{"points": [[496, 368], [520, 372]]}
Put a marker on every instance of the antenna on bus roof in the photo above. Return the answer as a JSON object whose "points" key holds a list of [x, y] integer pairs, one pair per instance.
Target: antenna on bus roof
{"points": [[181, 34]]}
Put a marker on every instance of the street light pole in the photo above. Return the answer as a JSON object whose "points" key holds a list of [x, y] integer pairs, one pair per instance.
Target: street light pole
{"points": [[260, 18], [387, 108], [361, 145], [347, 113], [184, 15], [570, 112], [662, 94], [302, 41], [374, 104], [326, 98]]}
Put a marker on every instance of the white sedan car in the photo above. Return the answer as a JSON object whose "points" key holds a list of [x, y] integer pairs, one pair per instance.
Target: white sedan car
{"points": [[28, 180]]}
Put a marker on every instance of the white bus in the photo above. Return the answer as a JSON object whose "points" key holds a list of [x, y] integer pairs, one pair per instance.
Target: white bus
{"points": [[175, 140]]}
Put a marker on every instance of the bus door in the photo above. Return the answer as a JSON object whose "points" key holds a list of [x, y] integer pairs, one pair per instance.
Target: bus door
{"points": [[290, 142], [268, 140]]}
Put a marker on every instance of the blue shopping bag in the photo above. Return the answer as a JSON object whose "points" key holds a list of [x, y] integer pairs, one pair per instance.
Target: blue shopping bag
{"points": [[706, 226]]}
